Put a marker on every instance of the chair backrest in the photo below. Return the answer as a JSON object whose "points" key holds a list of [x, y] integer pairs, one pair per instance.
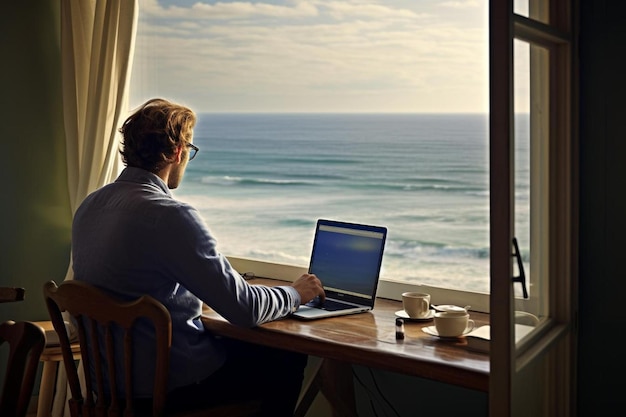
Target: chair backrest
{"points": [[98, 317], [26, 342]]}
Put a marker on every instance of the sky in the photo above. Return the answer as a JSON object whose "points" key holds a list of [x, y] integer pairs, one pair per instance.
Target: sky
{"points": [[425, 56]]}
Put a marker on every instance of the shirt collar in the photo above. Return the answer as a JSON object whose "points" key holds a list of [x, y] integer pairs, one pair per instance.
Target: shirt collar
{"points": [[141, 176]]}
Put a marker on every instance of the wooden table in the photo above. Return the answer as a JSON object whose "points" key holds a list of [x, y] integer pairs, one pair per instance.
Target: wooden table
{"points": [[369, 339], [11, 294]]}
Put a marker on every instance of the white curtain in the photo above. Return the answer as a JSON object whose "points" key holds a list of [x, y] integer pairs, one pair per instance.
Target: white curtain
{"points": [[97, 46]]}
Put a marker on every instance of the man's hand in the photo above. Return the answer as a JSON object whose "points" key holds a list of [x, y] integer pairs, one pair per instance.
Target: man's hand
{"points": [[309, 287]]}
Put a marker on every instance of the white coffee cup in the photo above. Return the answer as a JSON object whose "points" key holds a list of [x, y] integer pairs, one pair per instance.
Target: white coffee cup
{"points": [[416, 304], [453, 324]]}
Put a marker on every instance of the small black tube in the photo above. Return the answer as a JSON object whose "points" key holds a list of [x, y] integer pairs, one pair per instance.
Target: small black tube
{"points": [[399, 329]]}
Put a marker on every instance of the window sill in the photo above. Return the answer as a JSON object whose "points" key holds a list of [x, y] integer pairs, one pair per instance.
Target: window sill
{"points": [[386, 288]]}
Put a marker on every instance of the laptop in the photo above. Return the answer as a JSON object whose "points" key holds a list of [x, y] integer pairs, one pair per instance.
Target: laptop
{"points": [[347, 258]]}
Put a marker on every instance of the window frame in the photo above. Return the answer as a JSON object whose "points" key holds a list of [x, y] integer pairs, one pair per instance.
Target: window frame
{"points": [[560, 243], [520, 378]]}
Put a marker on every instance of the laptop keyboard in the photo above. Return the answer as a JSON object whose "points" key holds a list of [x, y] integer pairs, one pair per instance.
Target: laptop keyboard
{"points": [[329, 305]]}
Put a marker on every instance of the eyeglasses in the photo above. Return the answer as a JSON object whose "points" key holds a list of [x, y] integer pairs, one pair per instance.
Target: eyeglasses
{"points": [[193, 151]]}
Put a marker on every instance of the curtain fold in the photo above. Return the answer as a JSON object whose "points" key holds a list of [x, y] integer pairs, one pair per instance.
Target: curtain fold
{"points": [[97, 47]]}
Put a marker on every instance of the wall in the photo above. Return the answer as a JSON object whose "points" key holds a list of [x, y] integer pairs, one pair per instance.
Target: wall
{"points": [[35, 216], [602, 279]]}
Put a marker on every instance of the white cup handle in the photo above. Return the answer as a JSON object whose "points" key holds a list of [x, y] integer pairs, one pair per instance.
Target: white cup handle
{"points": [[470, 326]]}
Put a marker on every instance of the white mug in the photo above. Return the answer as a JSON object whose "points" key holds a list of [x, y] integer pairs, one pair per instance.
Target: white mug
{"points": [[416, 304], [453, 324]]}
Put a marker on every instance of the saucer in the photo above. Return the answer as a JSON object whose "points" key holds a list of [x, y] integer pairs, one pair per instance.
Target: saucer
{"points": [[432, 330], [449, 308], [402, 314]]}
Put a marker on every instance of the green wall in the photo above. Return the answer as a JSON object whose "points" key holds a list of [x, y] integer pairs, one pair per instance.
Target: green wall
{"points": [[36, 215]]}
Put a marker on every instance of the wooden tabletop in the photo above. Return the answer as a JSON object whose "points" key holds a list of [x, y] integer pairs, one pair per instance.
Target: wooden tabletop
{"points": [[369, 339]]}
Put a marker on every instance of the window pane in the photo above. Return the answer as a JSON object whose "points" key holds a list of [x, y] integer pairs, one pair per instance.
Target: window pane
{"points": [[520, 7], [533, 9], [373, 112], [522, 159], [531, 177]]}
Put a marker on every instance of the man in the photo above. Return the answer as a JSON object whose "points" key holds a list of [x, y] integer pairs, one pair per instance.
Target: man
{"points": [[132, 238]]}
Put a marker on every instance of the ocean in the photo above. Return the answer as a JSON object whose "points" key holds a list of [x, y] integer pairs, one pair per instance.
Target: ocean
{"points": [[261, 181]]}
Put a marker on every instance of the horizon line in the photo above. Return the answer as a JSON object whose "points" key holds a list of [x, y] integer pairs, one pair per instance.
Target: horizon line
{"points": [[347, 113]]}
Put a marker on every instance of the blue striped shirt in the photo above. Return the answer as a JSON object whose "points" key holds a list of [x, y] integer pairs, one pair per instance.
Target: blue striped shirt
{"points": [[132, 238]]}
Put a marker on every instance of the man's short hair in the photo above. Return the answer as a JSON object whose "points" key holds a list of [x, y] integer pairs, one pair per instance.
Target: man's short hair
{"points": [[153, 132]]}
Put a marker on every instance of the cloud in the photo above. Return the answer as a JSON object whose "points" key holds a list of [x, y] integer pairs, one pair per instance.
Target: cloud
{"points": [[355, 10], [365, 55], [461, 4], [229, 10]]}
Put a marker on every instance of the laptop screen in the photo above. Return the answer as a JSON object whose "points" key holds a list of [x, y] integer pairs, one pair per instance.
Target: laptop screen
{"points": [[347, 258]]}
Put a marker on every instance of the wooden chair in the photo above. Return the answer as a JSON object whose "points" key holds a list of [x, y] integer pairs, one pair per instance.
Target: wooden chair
{"points": [[26, 341], [91, 309]]}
